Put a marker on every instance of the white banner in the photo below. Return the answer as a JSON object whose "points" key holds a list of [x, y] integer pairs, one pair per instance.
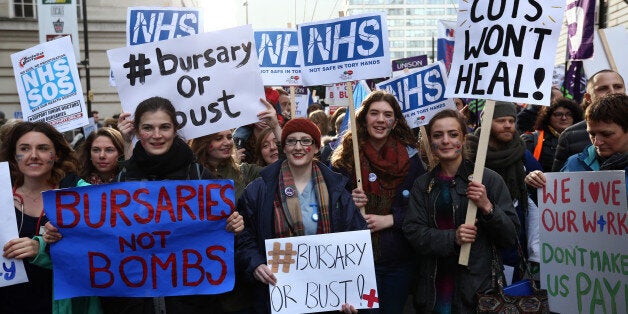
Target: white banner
{"points": [[321, 272], [584, 252], [12, 271], [49, 85], [344, 49], [212, 79], [58, 18], [505, 50]]}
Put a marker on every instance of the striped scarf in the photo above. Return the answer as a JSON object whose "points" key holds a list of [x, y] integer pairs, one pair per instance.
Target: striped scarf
{"points": [[288, 221]]}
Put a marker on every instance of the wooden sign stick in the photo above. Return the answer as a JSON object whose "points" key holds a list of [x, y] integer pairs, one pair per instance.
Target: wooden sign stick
{"points": [[478, 173], [293, 103], [354, 139]]}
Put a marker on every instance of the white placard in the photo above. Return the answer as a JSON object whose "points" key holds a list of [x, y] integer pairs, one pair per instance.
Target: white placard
{"points": [[337, 94], [212, 79], [57, 19], [584, 233], [12, 271], [344, 49], [278, 54], [49, 85], [505, 50], [321, 272]]}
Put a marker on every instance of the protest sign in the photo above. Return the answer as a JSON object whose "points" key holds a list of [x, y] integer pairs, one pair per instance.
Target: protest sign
{"points": [[584, 257], [301, 100], [12, 271], [399, 65], [344, 49], [212, 79], [278, 54], [56, 19], [150, 24], [337, 94], [609, 52], [49, 85], [505, 50], [321, 272], [445, 42], [420, 93], [142, 239]]}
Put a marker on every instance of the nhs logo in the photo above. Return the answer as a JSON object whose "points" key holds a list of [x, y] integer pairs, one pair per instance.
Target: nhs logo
{"points": [[154, 24], [277, 48]]}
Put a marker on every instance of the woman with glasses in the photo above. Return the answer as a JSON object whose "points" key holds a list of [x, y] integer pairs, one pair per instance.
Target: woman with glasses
{"points": [[293, 197], [550, 123], [389, 162]]}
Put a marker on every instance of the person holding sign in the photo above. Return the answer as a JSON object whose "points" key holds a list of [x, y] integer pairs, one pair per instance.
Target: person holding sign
{"points": [[435, 226], [294, 196], [99, 154], [389, 162], [266, 148], [39, 159]]}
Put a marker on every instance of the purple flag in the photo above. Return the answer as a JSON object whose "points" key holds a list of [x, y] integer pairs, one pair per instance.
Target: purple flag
{"points": [[580, 17], [574, 85]]}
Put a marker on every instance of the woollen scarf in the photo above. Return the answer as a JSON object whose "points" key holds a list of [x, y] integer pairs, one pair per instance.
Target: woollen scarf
{"points": [[143, 165], [390, 165], [288, 220]]}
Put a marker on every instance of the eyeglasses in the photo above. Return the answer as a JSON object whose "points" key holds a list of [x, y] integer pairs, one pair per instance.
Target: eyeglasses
{"points": [[304, 141], [562, 114]]}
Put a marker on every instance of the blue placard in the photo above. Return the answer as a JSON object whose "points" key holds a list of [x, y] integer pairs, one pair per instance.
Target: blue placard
{"points": [[48, 83], [149, 25], [277, 48], [142, 239], [343, 40]]}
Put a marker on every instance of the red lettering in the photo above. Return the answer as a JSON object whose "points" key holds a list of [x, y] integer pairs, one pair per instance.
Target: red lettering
{"points": [[551, 219], [104, 269], [149, 207], [610, 223], [123, 242], [571, 221], [201, 203], [162, 237], [590, 225], [209, 203], [621, 223], [171, 260], [196, 265], [126, 279], [67, 206], [182, 201], [223, 273], [147, 245], [564, 190], [164, 204], [606, 192], [226, 199], [551, 197], [116, 208], [102, 211], [582, 198], [616, 192], [342, 94]]}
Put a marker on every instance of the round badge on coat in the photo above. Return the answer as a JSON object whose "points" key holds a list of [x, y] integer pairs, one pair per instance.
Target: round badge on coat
{"points": [[315, 216], [289, 191], [372, 177]]}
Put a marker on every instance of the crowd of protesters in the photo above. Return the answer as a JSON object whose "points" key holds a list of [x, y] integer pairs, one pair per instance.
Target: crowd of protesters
{"points": [[414, 210]]}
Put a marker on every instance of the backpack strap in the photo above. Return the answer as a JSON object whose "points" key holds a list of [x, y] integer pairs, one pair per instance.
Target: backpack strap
{"points": [[539, 145]]}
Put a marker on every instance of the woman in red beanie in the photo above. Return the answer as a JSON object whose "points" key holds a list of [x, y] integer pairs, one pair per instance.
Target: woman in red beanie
{"points": [[389, 162], [278, 204]]}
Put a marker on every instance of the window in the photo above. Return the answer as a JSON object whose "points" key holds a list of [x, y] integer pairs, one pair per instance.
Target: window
{"points": [[396, 33], [395, 11], [24, 8]]}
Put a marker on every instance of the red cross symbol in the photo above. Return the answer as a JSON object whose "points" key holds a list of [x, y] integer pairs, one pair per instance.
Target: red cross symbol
{"points": [[370, 298]]}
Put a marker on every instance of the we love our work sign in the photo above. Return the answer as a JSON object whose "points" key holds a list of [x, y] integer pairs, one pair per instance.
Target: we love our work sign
{"points": [[49, 85], [142, 239], [421, 93], [505, 50], [344, 49], [212, 79], [584, 252], [322, 272]]}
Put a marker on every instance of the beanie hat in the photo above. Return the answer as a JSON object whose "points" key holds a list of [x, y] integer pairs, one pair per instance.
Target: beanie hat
{"points": [[504, 109], [271, 95], [301, 125]]}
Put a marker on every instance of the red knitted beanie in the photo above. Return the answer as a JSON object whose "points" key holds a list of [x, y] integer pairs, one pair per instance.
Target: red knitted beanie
{"points": [[301, 125]]}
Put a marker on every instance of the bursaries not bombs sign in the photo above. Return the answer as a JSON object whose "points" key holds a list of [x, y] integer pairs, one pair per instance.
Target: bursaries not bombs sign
{"points": [[344, 49], [278, 54], [322, 272], [421, 93], [49, 85], [142, 239], [505, 50], [584, 233], [212, 79]]}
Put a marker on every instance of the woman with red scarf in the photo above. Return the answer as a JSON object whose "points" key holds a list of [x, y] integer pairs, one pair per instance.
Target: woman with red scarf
{"points": [[389, 162]]}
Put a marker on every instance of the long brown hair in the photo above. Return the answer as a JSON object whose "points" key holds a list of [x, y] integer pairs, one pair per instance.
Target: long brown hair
{"points": [[199, 147], [342, 158], [86, 167], [67, 161]]}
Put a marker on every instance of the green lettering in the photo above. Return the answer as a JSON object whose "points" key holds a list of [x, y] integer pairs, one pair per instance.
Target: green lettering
{"points": [[598, 297], [580, 290], [613, 292]]}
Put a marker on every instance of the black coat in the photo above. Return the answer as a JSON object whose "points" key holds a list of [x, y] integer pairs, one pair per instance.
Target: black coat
{"points": [[572, 141]]}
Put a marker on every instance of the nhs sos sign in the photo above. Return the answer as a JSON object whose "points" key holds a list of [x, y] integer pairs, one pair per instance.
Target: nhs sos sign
{"points": [[345, 49]]}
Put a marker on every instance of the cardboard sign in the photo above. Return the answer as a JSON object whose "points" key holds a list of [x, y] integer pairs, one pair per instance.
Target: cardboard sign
{"points": [[344, 49], [420, 93], [212, 79], [49, 85], [12, 271], [142, 239], [302, 100], [150, 24], [278, 54], [321, 272], [337, 94], [56, 19], [502, 49], [584, 256]]}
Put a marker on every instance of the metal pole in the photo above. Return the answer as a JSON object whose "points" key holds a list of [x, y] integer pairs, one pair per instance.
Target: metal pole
{"points": [[85, 62]]}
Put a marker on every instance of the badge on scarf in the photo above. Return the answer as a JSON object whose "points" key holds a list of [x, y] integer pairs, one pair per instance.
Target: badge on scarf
{"points": [[289, 192], [372, 177]]}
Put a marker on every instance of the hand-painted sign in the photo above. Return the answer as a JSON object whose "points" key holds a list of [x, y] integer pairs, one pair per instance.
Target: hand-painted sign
{"points": [[12, 271]]}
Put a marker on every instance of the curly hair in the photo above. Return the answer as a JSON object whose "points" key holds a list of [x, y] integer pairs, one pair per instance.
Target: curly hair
{"points": [[86, 166], [612, 108], [66, 163], [545, 115], [342, 158]]}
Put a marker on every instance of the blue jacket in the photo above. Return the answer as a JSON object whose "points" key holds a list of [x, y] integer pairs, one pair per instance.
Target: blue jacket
{"points": [[586, 161], [256, 206]]}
